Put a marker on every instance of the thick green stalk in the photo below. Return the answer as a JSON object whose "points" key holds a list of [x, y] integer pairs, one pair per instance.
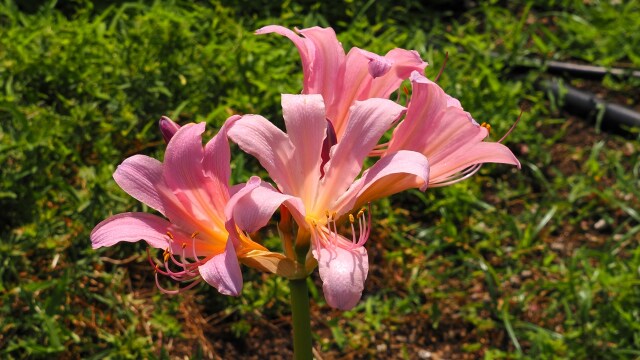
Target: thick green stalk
{"points": [[301, 319]]}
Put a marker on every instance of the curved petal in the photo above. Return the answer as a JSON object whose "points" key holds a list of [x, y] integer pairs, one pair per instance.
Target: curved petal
{"points": [[184, 155], [184, 175], [453, 131], [403, 64], [253, 206], [188, 218], [217, 155], [257, 136], [305, 47], [355, 80], [368, 120], [216, 166], [168, 128], [422, 121], [478, 153], [138, 177], [437, 126], [343, 272], [390, 175], [328, 56], [269, 261], [131, 227], [306, 123], [321, 54], [378, 65], [222, 271], [367, 75]]}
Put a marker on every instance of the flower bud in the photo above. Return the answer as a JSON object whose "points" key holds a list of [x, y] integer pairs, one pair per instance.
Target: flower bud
{"points": [[168, 128]]}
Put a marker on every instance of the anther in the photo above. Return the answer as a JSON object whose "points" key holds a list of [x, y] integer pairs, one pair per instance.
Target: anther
{"points": [[486, 126], [351, 218], [195, 233], [326, 212], [184, 245], [361, 212], [170, 235]]}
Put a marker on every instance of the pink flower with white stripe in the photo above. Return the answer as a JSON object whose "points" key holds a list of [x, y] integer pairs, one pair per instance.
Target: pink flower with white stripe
{"points": [[191, 188], [316, 173]]}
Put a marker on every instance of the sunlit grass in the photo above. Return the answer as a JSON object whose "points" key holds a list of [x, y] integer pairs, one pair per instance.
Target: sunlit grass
{"points": [[538, 263]]}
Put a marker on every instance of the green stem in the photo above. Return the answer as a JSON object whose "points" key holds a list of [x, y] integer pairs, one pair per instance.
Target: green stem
{"points": [[301, 319]]}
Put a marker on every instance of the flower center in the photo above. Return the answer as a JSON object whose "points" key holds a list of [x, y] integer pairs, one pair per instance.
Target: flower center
{"points": [[326, 235]]}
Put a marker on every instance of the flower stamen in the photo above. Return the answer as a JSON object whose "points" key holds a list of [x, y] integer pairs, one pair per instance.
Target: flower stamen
{"points": [[444, 63], [511, 128], [178, 270]]}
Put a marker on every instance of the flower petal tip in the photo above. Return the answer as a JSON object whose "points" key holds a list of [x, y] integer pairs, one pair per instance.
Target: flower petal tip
{"points": [[378, 65], [343, 272], [223, 272], [168, 128]]}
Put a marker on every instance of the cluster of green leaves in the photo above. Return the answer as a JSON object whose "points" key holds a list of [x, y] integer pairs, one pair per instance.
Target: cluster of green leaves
{"points": [[540, 263]]}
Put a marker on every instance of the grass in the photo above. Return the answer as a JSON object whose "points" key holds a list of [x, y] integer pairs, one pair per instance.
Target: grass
{"points": [[541, 263]]}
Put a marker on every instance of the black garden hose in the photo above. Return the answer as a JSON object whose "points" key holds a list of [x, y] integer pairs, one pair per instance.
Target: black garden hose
{"points": [[587, 105], [572, 70]]}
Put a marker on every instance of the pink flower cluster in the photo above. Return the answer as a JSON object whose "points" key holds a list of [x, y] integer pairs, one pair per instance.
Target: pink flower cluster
{"points": [[316, 166]]}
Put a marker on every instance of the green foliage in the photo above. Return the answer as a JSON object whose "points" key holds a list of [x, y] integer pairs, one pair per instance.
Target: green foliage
{"points": [[540, 263]]}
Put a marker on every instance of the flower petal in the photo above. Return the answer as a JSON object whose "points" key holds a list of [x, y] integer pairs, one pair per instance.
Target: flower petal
{"points": [[253, 206], [355, 81], [168, 128], [368, 120], [217, 155], [184, 175], [423, 120], [478, 153], [305, 47], [306, 123], [378, 65], [138, 176], [343, 272], [216, 166], [222, 271], [328, 56], [390, 175], [403, 63], [131, 227], [269, 261], [438, 127], [321, 54], [259, 137], [366, 75]]}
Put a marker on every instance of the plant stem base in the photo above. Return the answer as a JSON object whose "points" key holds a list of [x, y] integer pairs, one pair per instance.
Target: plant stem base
{"points": [[301, 319]]}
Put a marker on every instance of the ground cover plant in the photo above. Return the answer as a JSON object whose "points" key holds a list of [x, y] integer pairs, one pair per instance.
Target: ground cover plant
{"points": [[540, 263]]}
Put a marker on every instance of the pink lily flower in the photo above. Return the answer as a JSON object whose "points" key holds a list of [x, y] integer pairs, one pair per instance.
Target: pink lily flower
{"points": [[315, 175], [191, 189], [343, 79], [437, 126]]}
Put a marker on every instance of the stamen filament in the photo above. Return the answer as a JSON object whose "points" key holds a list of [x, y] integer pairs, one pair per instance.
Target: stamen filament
{"points": [[511, 128], [444, 63]]}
